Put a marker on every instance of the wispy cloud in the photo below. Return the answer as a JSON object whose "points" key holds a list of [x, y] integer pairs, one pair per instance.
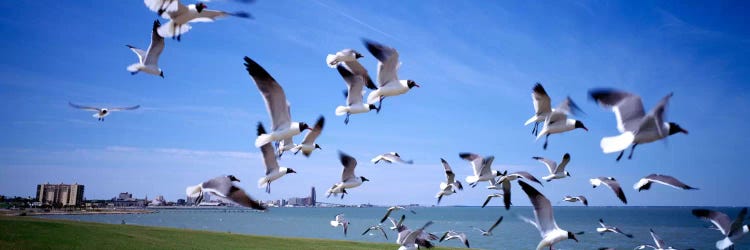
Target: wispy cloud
{"points": [[356, 20]]}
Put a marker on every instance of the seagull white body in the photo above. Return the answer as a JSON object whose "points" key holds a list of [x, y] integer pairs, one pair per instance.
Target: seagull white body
{"points": [[390, 157], [223, 186], [488, 232], [645, 182], [544, 219], [482, 167], [348, 179], [273, 170], [558, 122], [339, 220], [732, 230], [356, 79], [610, 229], [450, 185], [283, 129], [450, 235], [101, 112], [635, 126], [388, 64], [180, 15], [555, 171], [611, 183], [308, 144], [148, 60], [580, 198]]}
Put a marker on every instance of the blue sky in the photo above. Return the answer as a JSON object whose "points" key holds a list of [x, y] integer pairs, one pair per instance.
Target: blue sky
{"points": [[476, 62]]}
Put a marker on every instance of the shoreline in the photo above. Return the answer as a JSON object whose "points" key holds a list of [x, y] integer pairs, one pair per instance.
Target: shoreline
{"points": [[31, 213]]}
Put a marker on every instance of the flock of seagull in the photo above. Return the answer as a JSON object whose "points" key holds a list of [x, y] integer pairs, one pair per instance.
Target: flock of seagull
{"points": [[634, 124]]}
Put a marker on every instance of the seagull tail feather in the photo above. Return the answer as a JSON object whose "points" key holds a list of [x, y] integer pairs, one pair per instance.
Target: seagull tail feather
{"points": [[331, 60], [617, 143], [263, 140], [135, 67], [262, 182], [340, 110], [724, 244]]}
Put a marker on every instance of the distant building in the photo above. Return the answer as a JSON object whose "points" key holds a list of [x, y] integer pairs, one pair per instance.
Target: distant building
{"points": [[312, 197], [301, 202], [60, 194], [180, 202], [125, 196]]}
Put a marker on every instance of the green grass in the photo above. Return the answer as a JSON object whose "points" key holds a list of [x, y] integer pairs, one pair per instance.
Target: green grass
{"points": [[35, 233]]}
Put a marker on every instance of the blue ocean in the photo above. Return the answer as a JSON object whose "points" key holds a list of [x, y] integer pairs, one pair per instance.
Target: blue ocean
{"points": [[675, 225]]}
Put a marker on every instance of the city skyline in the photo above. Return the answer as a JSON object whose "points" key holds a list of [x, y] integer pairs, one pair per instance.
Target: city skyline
{"points": [[199, 121]]}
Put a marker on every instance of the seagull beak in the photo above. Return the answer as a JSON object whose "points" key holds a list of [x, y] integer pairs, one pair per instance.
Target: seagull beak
{"points": [[417, 85]]}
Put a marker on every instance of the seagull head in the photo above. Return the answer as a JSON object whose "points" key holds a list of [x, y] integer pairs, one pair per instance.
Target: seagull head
{"points": [[290, 171], [572, 236], [567, 173], [372, 107], [161, 73], [357, 55], [579, 124], [412, 84], [104, 111], [363, 178], [318, 146], [674, 129], [200, 6], [232, 178]]}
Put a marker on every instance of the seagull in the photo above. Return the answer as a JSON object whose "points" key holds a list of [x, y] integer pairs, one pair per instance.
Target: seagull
{"points": [[273, 171], [348, 57], [413, 239], [223, 186], [308, 143], [397, 225], [611, 229], [542, 107], [555, 171], [354, 93], [390, 157], [611, 183], [505, 183], [544, 219], [580, 198], [489, 231], [732, 230], [489, 197], [391, 209], [455, 235], [148, 60], [180, 15], [278, 108], [376, 227], [348, 179], [557, 121], [636, 127], [102, 112], [388, 82], [657, 241], [645, 182], [340, 221], [482, 169], [449, 187]]}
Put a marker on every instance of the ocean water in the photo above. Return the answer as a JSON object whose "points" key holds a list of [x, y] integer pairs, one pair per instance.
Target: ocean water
{"points": [[676, 225]]}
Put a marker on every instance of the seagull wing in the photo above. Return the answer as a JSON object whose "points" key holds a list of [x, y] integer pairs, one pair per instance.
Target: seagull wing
{"points": [[657, 240], [736, 226], [528, 176], [561, 167], [354, 84], [162, 5], [450, 176], [541, 100], [583, 199], [568, 107], [125, 108], [627, 107], [315, 132], [84, 107], [273, 95], [387, 62], [719, 219], [612, 184], [476, 162], [542, 209], [156, 46], [654, 120], [551, 165], [269, 157], [668, 180], [239, 196], [496, 223], [349, 164]]}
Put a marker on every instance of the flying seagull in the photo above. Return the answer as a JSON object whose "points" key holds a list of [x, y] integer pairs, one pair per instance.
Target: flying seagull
{"points": [[283, 129], [339, 220], [102, 112], [180, 15], [489, 197], [388, 82], [449, 235], [482, 167], [148, 60], [604, 229], [449, 187], [396, 225], [354, 92], [635, 126], [273, 171], [413, 239], [732, 230], [390, 157], [557, 121], [542, 107], [376, 227], [580, 198], [348, 57], [645, 182], [544, 220], [393, 208], [488, 232], [505, 183], [308, 144], [223, 186], [658, 242], [348, 179], [611, 183], [555, 171]]}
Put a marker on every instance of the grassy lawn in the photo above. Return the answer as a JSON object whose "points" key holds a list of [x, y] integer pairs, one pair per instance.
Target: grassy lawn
{"points": [[34, 233]]}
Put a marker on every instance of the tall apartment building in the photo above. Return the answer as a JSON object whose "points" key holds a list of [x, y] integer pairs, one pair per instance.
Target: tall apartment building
{"points": [[60, 194]]}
